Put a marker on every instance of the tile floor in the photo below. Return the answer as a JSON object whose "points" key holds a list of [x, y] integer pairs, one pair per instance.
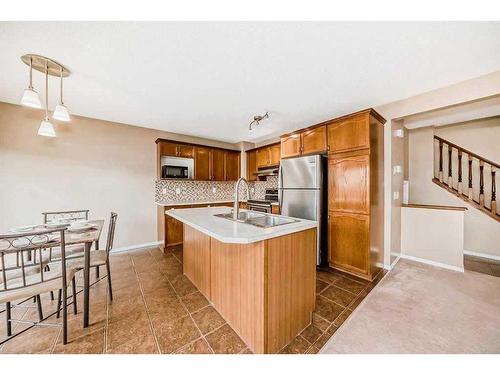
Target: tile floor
{"points": [[156, 309], [482, 265]]}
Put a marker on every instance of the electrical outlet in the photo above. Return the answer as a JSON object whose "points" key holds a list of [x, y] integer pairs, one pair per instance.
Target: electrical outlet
{"points": [[395, 195], [164, 191], [398, 133], [396, 169], [178, 191], [214, 190]]}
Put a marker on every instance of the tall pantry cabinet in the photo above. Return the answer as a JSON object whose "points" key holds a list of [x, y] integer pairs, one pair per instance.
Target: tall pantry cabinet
{"points": [[355, 193]]}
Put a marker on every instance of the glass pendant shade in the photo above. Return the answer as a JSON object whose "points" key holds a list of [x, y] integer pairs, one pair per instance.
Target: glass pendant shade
{"points": [[30, 99], [46, 129], [61, 113]]}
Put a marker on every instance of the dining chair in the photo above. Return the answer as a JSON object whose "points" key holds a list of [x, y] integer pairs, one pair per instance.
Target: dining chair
{"points": [[21, 283], [101, 257]]}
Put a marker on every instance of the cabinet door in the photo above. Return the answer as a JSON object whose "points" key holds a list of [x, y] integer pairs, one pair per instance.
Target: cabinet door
{"points": [[314, 140], [290, 146], [185, 151], [275, 154], [350, 134], [251, 165], [173, 231], [348, 183], [168, 148], [349, 243], [263, 158], [217, 164], [202, 164], [232, 166]]}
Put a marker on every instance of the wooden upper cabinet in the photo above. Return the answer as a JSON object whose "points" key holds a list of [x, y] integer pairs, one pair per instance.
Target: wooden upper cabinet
{"points": [[232, 166], [348, 183], [349, 134], [202, 164], [217, 165], [168, 149], [263, 157], [290, 146], [275, 154], [314, 140], [252, 165], [185, 151]]}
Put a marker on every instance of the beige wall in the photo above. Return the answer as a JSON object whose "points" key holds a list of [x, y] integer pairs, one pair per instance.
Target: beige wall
{"points": [[481, 233], [433, 235], [91, 164]]}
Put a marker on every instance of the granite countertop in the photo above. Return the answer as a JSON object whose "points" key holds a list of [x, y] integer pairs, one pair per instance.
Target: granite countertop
{"points": [[227, 231]]}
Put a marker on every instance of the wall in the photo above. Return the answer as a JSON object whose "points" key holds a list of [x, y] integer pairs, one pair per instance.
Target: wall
{"points": [[91, 164], [433, 235], [481, 233]]}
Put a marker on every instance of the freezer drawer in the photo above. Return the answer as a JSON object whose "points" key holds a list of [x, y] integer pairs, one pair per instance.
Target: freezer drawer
{"points": [[303, 204]]}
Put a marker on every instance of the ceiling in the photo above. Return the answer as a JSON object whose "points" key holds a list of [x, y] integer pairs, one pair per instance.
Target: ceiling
{"points": [[209, 79]]}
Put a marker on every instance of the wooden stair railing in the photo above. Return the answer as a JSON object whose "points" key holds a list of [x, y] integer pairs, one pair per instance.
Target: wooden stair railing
{"points": [[473, 194]]}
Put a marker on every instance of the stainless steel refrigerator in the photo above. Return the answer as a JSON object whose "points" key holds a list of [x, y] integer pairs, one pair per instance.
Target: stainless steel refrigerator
{"points": [[302, 194]]}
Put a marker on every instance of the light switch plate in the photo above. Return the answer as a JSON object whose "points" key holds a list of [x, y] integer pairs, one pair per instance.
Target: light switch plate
{"points": [[396, 169], [395, 195], [398, 133]]}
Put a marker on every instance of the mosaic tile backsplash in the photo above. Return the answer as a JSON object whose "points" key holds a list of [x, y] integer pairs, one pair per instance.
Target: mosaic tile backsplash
{"points": [[176, 191]]}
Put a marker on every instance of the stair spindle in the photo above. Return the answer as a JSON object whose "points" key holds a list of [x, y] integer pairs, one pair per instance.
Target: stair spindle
{"points": [[470, 177], [481, 183], [493, 191], [459, 187], [450, 179], [440, 161]]}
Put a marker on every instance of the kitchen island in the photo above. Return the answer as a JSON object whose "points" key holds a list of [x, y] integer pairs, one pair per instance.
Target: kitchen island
{"points": [[261, 280]]}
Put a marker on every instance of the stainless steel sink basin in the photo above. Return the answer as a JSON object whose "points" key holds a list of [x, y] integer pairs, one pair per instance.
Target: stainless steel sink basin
{"points": [[258, 219]]}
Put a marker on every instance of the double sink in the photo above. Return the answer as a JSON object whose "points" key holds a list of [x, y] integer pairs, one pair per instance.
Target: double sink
{"points": [[258, 219]]}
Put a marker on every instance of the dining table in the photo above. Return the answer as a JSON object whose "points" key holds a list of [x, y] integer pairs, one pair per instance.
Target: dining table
{"points": [[86, 237]]}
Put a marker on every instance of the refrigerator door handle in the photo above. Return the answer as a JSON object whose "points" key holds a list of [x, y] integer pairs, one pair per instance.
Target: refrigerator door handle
{"points": [[280, 187]]}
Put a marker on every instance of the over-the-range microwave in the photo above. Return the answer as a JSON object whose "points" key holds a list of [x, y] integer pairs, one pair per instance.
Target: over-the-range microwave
{"points": [[175, 167]]}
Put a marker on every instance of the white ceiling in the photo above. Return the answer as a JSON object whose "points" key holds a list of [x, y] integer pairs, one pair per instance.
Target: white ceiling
{"points": [[209, 79]]}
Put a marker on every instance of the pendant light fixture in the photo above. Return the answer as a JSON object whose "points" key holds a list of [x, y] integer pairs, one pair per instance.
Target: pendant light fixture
{"points": [[30, 96], [61, 112], [46, 128]]}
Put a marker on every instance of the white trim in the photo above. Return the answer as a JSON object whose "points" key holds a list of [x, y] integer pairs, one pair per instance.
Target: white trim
{"points": [[482, 255], [393, 264], [137, 247], [432, 263]]}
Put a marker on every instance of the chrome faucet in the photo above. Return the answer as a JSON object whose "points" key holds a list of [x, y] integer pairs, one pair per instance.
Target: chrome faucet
{"points": [[236, 209]]}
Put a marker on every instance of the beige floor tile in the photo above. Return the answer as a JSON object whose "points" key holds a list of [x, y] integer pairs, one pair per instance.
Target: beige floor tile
{"points": [[208, 319], [92, 343], [194, 301], [225, 341], [175, 334], [199, 346]]}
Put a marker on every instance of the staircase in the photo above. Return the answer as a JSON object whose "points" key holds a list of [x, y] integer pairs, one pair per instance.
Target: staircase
{"points": [[480, 188]]}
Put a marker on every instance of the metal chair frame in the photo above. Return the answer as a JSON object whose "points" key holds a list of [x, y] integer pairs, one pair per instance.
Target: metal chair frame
{"points": [[21, 244]]}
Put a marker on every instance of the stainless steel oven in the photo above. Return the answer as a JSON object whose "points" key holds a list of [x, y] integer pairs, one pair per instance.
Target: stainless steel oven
{"points": [[259, 205]]}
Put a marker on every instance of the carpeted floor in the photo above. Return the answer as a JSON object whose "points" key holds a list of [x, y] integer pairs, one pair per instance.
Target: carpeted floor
{"points": [[419, 308]]}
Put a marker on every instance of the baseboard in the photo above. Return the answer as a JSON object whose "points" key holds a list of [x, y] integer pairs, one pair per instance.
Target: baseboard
{"points": [[384, 266], [137, 247], [432, 263], [393, 264], [482, 255]]}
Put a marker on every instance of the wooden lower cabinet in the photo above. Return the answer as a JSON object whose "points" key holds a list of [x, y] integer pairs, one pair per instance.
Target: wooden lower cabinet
{"points": [[264, 290], [349, 239]]}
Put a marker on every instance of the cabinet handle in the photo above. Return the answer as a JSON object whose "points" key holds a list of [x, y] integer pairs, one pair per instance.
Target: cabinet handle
{"points": [[328, 147]]}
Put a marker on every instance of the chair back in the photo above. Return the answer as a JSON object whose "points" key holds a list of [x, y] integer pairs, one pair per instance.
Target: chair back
{"points": [[65, 215], [111, 231], [17, 270]]}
